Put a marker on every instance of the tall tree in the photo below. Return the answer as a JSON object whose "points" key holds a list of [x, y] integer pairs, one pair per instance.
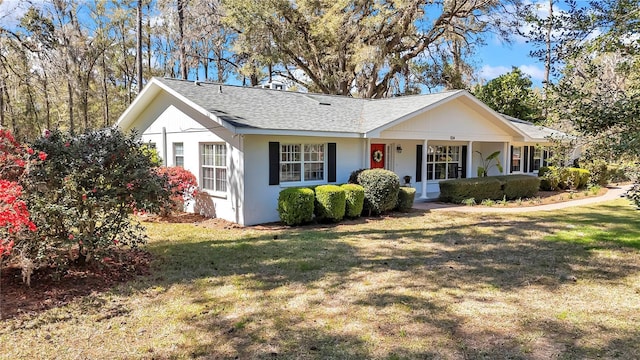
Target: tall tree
{"points": [[511, 94], [350, 46]]}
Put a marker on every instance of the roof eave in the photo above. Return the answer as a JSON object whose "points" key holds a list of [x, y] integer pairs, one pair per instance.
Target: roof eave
{"points": [[312, 133], [147, 95]]}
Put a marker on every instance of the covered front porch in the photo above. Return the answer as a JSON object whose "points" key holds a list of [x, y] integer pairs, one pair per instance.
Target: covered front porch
{"points": [[423, 164]]}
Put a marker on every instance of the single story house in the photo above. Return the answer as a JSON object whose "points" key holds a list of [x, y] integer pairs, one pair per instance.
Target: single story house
{"points": [[245, 145]]}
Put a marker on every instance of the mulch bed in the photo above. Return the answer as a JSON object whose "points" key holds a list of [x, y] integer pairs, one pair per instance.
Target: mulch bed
{"points": [[52, 288]]}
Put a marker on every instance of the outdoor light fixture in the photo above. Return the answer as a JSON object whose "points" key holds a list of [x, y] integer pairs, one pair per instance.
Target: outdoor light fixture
{"points": [[399, 149]]}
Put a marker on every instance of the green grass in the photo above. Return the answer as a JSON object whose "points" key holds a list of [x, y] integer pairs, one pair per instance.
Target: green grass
{"points": [[562, 284]]}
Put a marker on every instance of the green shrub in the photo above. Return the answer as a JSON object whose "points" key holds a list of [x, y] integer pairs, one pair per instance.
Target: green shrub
{"points": [[295, 205], [599, 172], [353, 177], [519, 186], [406, 196], [354, 196], [82, 195], [380, 190], [553, 178], [457, 190], [330, 203], [578, 178], [557, 178], [617, 173]]}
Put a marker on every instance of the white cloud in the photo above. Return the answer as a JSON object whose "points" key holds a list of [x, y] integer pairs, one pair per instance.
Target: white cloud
{"points": [[489, 72], [536, 72]]}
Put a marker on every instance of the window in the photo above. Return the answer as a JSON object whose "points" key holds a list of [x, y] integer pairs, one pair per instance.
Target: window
{"points": [[178, 154], [443, 162], [301, 162], [516, 158], [537, 159], [214, 167]]}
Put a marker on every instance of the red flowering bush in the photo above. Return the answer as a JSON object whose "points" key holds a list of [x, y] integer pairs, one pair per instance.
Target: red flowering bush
{"points": [[15, 162], [182, 186]]}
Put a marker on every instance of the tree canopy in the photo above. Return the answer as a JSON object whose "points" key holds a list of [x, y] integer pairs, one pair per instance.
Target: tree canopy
{"points": [[511, 94]]}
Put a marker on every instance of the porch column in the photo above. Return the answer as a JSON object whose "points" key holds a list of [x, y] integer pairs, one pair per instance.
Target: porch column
{"points": [[366, 154], [470, 159], [507, 162], [423, 196]]}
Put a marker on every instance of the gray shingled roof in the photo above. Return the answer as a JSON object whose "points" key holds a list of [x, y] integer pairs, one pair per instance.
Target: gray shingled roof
{"points": [[258, 108], [535, 131]]}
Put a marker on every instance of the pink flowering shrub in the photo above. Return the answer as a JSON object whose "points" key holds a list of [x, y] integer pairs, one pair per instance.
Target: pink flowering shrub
{"points": [[182, 186]]}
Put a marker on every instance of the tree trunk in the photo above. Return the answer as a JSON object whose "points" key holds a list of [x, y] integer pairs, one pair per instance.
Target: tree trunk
{"points": [[183, 55], [139, 45]]}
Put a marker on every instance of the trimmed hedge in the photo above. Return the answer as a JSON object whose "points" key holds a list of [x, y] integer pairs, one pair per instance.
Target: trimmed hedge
{"points": [[519, 186], [457, 190], [380, 190], [553, 178], [406, 196], [295, 205], [354, 196], [330, 203], [492, 187]]}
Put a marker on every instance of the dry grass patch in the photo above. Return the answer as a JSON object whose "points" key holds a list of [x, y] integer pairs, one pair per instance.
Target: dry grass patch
{"points": [[563, 284]]}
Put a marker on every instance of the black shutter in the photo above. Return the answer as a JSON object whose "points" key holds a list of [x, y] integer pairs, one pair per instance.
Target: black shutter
{"points": [[545, 156], [274, 163], [510, 160], [532, 153], [463, 166], [525, 160], [418, 163], [331, 172]]}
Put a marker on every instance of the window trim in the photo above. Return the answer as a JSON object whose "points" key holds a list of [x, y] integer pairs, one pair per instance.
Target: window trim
{"points": [[431, 165], [175, 155], [537, 150], [214, 192], [520, 159], [302, 162]]}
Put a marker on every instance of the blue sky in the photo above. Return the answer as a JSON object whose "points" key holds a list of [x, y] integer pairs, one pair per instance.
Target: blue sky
{"points": [[491, 60]]}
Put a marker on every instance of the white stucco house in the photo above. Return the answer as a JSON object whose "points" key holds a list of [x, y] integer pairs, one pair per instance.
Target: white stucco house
{"points": [[245, 145]]}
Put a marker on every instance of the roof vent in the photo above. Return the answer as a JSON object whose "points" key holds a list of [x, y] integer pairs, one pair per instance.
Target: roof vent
{"points": [[219, 89], [324, 103]]}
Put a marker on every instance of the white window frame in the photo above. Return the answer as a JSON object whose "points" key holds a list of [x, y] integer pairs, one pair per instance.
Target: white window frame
{"points": [[177, 155], [537, 155], [433, 158], [520, 162], [302, 154], [211, 159]]}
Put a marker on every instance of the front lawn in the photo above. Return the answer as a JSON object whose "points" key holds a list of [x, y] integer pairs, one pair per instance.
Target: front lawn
{"points": [[419, 285]]}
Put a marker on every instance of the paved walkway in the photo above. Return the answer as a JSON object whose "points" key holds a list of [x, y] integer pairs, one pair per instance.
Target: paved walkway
{"points": [[613, 193]]}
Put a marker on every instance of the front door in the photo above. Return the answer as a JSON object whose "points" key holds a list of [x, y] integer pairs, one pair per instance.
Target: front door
{"points": [[377, 156]]}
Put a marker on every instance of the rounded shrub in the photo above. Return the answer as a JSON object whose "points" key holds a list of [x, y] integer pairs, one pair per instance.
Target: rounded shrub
{"points": [[578, 178], [380, 190], [330, 203], [354, 196], [406, 196], [295, 205]]}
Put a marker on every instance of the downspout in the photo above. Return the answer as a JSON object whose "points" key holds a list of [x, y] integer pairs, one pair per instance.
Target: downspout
{"points": [[164, 147]]}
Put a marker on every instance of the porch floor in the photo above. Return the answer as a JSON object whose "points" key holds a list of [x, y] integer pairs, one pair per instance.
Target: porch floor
{"points": [[431, 196]]}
